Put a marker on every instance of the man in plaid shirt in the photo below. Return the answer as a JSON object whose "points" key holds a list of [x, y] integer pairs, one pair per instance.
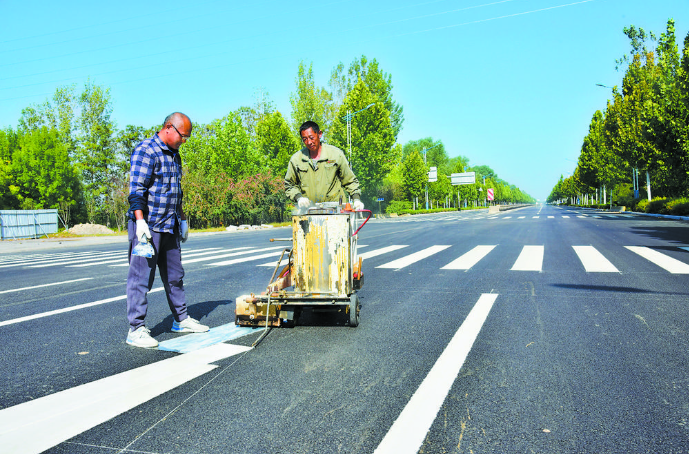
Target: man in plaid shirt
{"points": [[156, 216]]}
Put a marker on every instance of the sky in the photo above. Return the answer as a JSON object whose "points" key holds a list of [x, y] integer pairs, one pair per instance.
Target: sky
{"points": [[510, 84]]}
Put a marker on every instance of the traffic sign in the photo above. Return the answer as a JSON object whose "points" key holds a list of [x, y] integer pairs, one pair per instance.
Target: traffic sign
{"points": [[463, 178], [433, 174], [489, 194], [380, 199]]}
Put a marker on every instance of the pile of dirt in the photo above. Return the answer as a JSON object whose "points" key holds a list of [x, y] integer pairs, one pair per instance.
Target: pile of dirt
{"points": [[90, 229]]}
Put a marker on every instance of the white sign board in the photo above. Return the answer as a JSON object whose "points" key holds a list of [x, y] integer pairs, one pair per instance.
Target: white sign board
{"points": [[463, 178], [433, 174]]}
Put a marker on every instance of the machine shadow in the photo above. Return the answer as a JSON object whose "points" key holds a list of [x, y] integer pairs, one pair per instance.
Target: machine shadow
{"points": [[612, 288]]}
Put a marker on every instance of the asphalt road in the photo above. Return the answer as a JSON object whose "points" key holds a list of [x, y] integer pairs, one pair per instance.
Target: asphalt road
{"points": [[541, 330]]}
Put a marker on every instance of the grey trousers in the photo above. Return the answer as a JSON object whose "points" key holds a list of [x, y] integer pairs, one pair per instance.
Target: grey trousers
{"points": [[168, 259]]}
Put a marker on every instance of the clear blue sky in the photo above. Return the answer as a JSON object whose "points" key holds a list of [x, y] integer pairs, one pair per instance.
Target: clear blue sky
{"points": [[510, 84]]}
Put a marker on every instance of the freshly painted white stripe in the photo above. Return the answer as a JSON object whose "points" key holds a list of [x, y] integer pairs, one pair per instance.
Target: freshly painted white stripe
{"points": [[536, 217], [566, 217], [551, 217], [40, 424], [593, 260], [385, 250], [242, 250], [246, 259], [581, 216], [413, 258], [530, 259], [666, 262], [411, 427], [45, 285], [185, 254], [193, 342], [80, 260], [80, 256], [521, 217], [69, 309], [469, 259], [507, 217]]}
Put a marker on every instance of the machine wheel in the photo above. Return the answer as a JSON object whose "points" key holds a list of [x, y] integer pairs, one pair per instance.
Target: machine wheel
{"points": [[354, 308]]}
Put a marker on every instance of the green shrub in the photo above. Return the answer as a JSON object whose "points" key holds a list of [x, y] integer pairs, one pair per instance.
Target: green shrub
{"points": [[678, 207], [398, 206], [658, 205]]}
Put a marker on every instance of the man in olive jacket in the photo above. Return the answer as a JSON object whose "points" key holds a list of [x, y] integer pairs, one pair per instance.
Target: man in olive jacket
{"points": [[319, 172]]}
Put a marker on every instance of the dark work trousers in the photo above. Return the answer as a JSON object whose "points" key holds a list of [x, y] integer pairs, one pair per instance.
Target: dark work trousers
{"points": [[168, 259]]}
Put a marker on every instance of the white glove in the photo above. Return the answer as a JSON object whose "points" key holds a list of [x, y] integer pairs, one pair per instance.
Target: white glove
{"points": [[183, 231], [142, 232], [303, 202], [358, 205]]}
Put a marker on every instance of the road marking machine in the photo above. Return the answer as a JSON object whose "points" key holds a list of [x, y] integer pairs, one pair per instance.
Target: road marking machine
{"points": [[322, 266]]}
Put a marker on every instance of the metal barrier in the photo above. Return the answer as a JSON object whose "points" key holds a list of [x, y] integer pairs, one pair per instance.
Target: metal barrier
{"points": [[16, 224]]}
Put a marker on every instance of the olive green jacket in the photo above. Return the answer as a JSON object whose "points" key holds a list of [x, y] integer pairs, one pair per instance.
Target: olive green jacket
{"points": [[325, 183]]}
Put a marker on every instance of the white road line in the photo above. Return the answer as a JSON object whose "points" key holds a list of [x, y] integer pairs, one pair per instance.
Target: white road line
{"points": [[593, 260], [469, 259], [507, 217], [536, 217], [65, 414], [71, 308], [551, 217], [45, 285], [81, 256], [413, 258], [411, 427], [581, 216], [79, 260], [246, 259], [185, 254], [243, 250], [530, 259], [521, 217], [666, 262], [565, 217], [385, 250]]}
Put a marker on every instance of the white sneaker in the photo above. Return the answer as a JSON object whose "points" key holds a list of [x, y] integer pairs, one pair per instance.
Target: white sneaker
{"points": [[188, 325], [141, 337]]}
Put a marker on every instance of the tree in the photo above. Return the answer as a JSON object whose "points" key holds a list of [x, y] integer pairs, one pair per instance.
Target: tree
{"points": [[372, 138], [310, 102], [378, 82], [276, 142], [39, 174], [222, 146], [415, 175]]}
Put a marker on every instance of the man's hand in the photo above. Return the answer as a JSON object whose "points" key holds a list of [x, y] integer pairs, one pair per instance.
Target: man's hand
{"points": [[183, 231], [303, 202], [358, 205], [142, 232]]}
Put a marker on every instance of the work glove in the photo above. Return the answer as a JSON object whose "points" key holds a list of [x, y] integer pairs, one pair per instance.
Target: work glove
{"points": [[303, 202], [358, 205], [183, 231], [142, 232]]}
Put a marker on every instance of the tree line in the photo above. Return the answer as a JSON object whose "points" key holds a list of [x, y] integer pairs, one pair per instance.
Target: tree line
{"points": [[67, 153], [643, 133]]}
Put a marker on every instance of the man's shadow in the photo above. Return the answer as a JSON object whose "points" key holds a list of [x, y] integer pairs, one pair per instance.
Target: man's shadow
{"points": [[199, 311]]}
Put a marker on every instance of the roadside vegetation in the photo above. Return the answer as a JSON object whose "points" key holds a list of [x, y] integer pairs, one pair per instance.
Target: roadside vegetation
{"points": [[642, 135], [67, 153]]}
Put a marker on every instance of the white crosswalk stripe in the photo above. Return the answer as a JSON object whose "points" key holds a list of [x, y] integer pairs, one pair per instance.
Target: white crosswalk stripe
{"points": [[469, 259], [593, 260], [412, 258], [530, 259], [664, 261]]}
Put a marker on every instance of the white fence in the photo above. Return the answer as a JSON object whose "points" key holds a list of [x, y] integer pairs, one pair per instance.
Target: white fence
{"points": [[16, 224]]}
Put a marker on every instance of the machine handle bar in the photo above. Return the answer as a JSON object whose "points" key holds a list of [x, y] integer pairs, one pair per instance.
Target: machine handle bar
{"points": [[369, 217]]}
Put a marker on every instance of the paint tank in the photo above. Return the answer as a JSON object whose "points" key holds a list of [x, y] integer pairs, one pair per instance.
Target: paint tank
{"points": [[323, 253]]}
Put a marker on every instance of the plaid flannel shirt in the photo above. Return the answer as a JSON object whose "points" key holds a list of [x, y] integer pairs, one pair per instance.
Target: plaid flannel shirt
{"points": [[155, 184]]}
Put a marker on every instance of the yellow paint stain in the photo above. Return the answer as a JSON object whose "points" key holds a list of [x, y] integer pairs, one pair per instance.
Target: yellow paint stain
{"points": [[463, 425]]}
